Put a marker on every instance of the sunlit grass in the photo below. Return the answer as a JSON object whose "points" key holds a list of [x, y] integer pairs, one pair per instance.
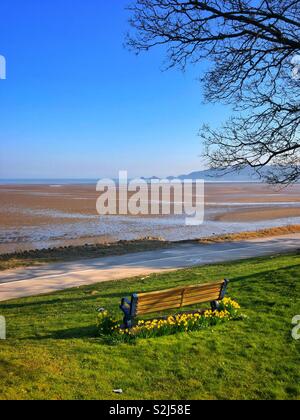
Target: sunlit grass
{"points": [[53, 350]]}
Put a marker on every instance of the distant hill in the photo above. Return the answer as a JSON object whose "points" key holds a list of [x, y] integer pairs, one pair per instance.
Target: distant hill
{"points": [[243, 175]]}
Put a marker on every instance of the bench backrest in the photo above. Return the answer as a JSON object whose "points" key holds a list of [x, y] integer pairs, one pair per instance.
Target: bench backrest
{"points": [[179, 297]]}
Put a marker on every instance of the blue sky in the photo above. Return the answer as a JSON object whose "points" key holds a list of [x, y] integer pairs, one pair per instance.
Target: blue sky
{"points": [[77, 104]]}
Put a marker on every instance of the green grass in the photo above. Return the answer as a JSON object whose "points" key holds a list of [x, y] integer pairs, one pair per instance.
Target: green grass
{"points": [[53, 352]]}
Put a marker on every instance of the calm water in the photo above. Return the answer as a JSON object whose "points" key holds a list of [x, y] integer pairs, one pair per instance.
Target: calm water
{"points": [[62, 181]]}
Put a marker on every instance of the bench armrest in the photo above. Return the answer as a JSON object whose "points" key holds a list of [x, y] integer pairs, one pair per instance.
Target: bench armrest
{"points": [[128, 307], [125, 306], [224, 289], [125, 301]]}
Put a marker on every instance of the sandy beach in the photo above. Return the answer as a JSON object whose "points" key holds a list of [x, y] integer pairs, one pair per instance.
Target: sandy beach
{"points": [[42, 216]]}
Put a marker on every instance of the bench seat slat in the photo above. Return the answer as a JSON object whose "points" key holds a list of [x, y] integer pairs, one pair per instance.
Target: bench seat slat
{"points": [[202, 292], [158, 308], [215, 293], [150, 297], [193, 301], [203, 286], [163, 296], [160, 302], [177, 303]]}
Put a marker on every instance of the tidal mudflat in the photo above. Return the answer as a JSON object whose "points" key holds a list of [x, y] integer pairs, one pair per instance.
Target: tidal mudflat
{"points": [[42, 216]]}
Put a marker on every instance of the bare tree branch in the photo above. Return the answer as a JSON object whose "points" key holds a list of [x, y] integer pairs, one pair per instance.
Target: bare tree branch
{"points": [[251, 45]]}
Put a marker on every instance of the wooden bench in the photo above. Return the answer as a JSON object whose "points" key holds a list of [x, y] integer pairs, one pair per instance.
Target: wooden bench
{"points": [[179, 297]]}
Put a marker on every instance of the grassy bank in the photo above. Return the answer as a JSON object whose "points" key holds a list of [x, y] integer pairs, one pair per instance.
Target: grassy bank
{"points": [[53, 351], [258, 234], [73, 253]]}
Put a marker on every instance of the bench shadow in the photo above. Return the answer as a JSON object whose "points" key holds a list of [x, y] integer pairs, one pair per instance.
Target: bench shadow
{"points": [[70, 333], [51, 302]]}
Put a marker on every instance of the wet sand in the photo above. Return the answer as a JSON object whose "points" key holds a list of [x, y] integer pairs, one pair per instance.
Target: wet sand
{"points": [[42, 216], [259, 214]]}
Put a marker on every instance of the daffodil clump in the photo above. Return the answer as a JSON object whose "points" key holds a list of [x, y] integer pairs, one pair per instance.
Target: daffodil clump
{"points": [[184, 322], [231, 306], [105, 322]]}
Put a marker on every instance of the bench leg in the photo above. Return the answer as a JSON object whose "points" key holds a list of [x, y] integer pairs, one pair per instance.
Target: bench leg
{"points": [[128, 321], [215, 306], [129, 310]]}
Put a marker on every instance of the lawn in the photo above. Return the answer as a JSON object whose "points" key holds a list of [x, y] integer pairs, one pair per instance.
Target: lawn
{"points": [[53, 352]]}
